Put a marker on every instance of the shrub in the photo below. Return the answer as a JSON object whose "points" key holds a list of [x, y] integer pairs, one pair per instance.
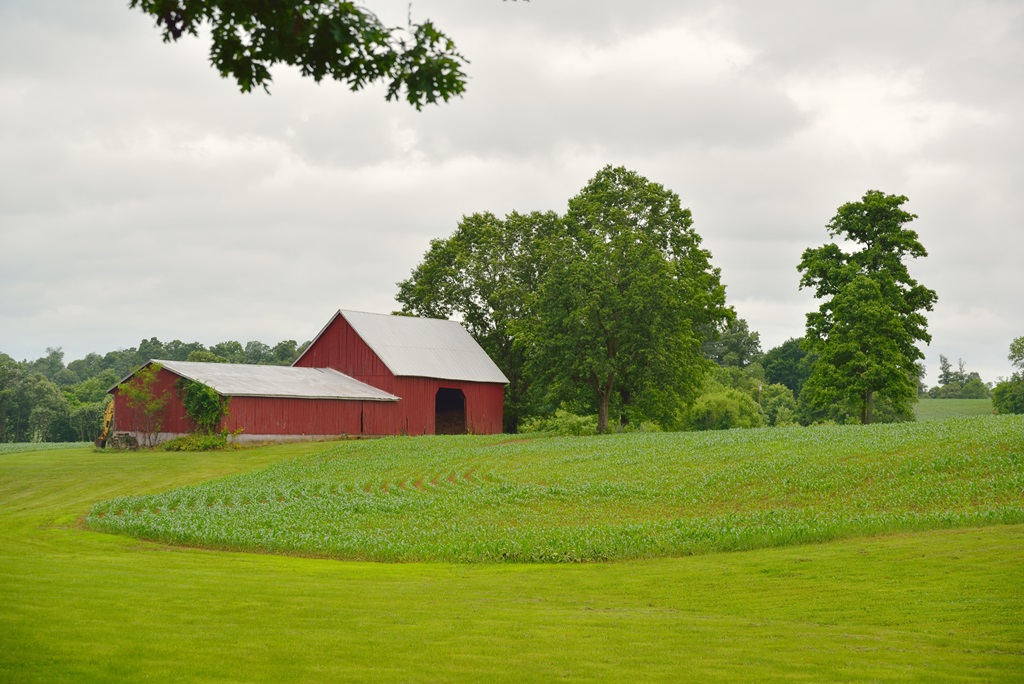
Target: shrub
{"points": [[197, 442], [562, 423], [778, 405], [724, 409]]}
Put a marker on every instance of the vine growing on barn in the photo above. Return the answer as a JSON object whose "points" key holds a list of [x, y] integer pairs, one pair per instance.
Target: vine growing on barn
{"points": [[203, 405]]}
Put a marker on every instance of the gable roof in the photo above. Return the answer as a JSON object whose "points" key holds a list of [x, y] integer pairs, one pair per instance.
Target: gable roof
{"points": [[246, 380], [423, 347]]}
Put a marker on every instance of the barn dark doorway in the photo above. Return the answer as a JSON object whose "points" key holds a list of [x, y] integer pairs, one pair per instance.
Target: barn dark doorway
{"points": [[449, 412]]}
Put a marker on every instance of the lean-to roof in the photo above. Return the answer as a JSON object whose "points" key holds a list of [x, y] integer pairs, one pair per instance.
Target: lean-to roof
{"points": [[245, 380]]}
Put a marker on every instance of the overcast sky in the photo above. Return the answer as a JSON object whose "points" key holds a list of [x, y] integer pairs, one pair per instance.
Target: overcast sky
{"points": [[142, 195]]}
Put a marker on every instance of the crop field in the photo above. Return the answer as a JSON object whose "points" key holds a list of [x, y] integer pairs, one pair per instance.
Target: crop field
{"points": [[628, 496], [939, 409]]}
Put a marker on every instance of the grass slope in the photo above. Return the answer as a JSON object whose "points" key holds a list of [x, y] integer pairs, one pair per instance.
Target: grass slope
{"points": [[593, 499], [77, 605]]}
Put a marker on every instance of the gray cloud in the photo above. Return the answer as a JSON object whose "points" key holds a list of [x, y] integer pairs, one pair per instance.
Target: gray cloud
{"points": [[142, 195]]}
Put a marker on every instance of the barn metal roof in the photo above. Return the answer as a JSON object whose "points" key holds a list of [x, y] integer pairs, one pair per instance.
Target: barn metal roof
{"points": [[245, 380], [424, 347]]}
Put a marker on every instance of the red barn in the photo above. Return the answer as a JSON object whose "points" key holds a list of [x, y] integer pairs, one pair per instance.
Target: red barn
{"points": [[364, 374], [446, 381]]}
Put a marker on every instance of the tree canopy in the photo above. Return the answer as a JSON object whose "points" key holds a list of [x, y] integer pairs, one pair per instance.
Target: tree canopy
{"points": [[788, 364], [323, 38], [627, 290], [602, 307], [867, 328], [735, 345]]}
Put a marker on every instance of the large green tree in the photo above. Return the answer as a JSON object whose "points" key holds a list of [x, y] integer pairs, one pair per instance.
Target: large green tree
{"points": [[323, 38], [487, 274], [627, 292], [788, 364], [867, 328]]}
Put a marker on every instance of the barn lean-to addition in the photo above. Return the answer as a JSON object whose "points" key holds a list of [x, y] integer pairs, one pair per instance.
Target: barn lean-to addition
{"points": [[363, 374], [266, 402]]}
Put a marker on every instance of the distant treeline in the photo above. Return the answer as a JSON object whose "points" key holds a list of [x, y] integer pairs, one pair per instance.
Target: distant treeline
{"points": [[47, 400], [959, 383], [50, 401]]}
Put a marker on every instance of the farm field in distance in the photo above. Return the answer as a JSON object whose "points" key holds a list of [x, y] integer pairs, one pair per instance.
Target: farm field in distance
{"points": [[936, 605], [938, 409]]}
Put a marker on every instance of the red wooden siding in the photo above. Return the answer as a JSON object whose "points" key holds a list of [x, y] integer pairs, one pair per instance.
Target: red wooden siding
{"points": [[175, 418], [276, 416]]}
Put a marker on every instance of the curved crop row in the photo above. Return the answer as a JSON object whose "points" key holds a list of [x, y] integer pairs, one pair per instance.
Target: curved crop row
{"points": [[598, 498]]}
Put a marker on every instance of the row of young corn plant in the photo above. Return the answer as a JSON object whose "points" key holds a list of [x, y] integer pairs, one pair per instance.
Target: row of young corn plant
{"points": [[598, 498]]}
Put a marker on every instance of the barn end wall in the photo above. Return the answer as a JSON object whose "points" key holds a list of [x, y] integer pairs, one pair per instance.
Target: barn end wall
{"points": [[175, 419], [340, 347]]}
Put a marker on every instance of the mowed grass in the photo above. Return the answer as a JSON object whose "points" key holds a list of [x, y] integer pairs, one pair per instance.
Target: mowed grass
{"points": [[77, 605], [617, 497], [939, 409]]}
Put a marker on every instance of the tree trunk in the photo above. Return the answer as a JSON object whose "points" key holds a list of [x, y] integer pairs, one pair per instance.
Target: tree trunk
{"points": [[604, 395], [867, 407], [625, 396], [602, 412]]}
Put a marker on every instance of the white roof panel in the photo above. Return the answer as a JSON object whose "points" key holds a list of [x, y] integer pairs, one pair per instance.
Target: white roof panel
{"points": [[245, 380], [425, 347]]}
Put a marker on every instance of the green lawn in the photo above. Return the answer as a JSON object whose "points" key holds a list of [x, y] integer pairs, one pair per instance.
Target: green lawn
{"points": [[78, 605], [938, 409]]}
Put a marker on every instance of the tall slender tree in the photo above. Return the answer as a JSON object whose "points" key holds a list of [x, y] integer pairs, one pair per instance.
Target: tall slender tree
{"points": [[871, 318]]}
